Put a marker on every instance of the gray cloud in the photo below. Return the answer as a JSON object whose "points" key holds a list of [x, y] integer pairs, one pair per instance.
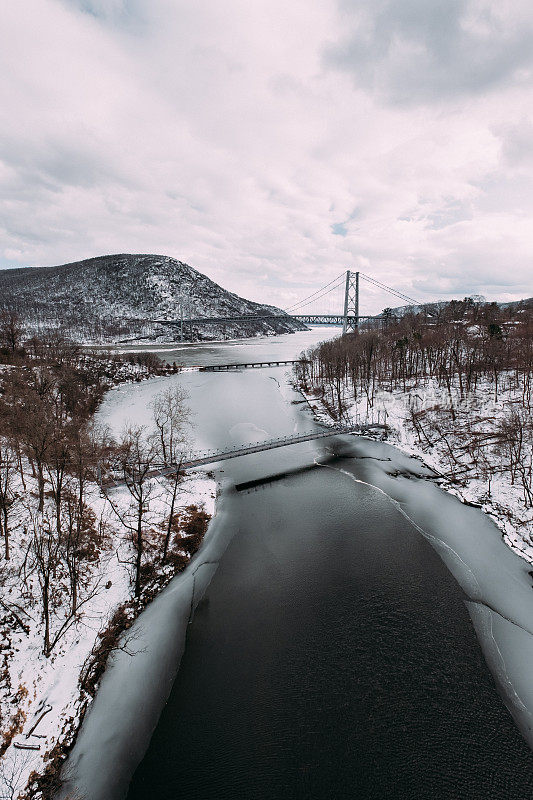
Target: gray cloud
{"points": [[412, 51], [105, 9], [517, 143], [451, 212], [213, 132]]}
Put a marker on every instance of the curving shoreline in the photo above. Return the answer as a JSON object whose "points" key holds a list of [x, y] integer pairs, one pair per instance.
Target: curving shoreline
{"points": [[395, 474], [117, 728], [495, 578]]}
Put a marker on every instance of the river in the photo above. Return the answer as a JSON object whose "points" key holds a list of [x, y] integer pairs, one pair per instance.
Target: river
{"points": [[332, 652]]}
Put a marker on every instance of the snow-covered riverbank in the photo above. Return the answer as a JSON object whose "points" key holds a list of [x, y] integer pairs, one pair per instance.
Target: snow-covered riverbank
{"points": [[480, 549], [42, 700], [136, 685], [133, 692], [464, 449]]}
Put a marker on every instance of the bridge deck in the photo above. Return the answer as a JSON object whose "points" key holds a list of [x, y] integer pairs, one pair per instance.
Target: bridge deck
{"points": [[212, 457], [247, 365], [310, 319]]}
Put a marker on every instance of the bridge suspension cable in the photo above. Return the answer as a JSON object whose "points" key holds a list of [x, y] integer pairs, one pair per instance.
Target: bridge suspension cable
{"points": [[389, 289], [322, 291], [349, 317], [338, 282], [319, 297]]}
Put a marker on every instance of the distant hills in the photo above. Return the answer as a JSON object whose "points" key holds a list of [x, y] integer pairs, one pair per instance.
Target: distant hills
{"points": [[443, 306], [116, 297]]}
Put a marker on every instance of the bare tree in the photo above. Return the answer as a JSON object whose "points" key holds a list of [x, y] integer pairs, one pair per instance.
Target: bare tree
{"points": [[7, 493], [171, 419], [137, 454], [47, 551], [515, 437], [10, 330], [170, 415], [27, 409], [46, 558]]}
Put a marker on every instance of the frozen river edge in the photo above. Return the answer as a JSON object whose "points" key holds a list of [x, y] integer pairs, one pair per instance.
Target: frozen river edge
{"points": [[496, 581], [116, 732]]}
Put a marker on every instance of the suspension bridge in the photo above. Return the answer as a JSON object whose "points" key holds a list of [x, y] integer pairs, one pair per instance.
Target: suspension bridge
{"points": [[119, 475], [342, 292], [348, 318]]}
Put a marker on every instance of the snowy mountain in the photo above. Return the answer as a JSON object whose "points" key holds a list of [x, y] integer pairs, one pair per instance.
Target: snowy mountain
{"points": [[116, 297]]}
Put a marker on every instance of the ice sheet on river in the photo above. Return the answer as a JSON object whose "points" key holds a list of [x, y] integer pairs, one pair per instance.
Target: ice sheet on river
{"points": [[496, 580], [121, 719]]}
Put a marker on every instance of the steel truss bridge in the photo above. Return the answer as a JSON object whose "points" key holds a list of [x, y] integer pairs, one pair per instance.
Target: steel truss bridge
{"points": [[309, 319], [116, 477], [351, 322], [249, 365]]}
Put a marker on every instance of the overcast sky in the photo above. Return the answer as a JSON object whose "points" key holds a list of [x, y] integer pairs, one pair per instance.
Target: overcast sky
{"points": [[273, 144]]}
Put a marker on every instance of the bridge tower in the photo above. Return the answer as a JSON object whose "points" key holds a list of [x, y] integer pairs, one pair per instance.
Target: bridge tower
{"points": [[351, 302]]}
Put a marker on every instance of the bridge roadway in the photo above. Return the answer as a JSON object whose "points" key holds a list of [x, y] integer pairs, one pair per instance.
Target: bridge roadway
{"points": [[248, 365], [309, 319], [213, 456]]}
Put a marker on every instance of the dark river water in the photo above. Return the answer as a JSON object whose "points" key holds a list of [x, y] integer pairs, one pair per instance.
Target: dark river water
{"points": [[332, 657], [331, 654]]}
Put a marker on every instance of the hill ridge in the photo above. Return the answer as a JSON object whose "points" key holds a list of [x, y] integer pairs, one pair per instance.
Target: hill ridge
{"points": [[106, 298]]}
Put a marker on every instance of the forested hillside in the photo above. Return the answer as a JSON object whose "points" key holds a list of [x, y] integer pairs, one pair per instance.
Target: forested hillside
{"points": [[455, 387], [116, 297], [76, 564]]}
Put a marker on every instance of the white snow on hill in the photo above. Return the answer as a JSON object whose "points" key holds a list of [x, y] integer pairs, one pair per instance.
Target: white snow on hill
{"points": [[111, 297]]}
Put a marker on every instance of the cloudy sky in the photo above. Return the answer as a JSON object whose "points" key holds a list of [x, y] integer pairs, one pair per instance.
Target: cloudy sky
{"points": [[273, 144]]}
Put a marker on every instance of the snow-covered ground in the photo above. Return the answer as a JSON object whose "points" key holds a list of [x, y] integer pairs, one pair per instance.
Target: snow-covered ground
{"points": [[40, 698], [476, 474]]}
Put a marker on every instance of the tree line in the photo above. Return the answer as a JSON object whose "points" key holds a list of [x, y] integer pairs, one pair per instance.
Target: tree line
{"points": [[472, 351], [51, 453]]}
